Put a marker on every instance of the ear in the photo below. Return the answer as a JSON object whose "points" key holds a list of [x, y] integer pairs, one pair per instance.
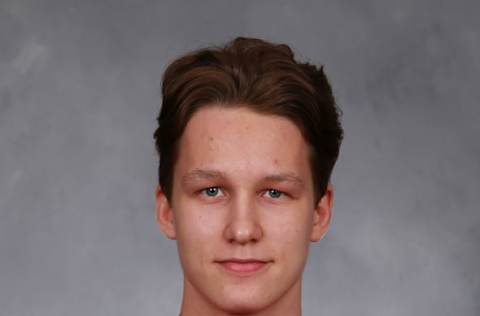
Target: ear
{"points": [[164, 214], [322, 215]]}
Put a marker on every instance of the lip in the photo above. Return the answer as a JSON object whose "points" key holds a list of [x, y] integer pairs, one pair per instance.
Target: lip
{"points": [[243, 267]]}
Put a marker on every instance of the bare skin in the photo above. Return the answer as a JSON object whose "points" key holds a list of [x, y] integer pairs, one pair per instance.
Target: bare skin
{"points": [[242, 189]]}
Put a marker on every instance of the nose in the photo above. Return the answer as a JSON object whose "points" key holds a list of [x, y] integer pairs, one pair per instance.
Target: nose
{"points": [[243, 225]]}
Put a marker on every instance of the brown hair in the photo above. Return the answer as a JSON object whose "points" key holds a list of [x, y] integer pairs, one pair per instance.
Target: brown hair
{"points": [[259, 75]]}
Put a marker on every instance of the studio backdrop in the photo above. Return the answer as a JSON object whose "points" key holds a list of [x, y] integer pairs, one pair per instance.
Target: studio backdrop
{"points": [[79, 95]]}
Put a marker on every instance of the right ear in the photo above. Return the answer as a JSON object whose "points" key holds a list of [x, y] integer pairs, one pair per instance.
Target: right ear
{"points": [[164, 213]]}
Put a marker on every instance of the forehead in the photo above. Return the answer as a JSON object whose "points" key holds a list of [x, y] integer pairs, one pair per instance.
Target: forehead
{"points": [[238, 140]]}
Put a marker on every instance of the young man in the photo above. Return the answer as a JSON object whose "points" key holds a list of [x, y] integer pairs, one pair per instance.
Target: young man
{"points": [[247, 139]]}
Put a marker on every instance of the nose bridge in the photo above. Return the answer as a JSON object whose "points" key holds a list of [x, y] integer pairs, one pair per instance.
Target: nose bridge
{"points": [[243, 221]]}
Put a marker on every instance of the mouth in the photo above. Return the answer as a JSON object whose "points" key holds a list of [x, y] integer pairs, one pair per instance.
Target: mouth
{"points": [[243, 267]]}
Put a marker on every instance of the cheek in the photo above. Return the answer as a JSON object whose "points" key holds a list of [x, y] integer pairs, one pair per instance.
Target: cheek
{"points": [[195, 230], [294, 223], [294, 236], [290, 232]]}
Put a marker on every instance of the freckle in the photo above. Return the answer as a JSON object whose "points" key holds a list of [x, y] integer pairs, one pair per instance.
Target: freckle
{"points": [[275, 161], [210, 138]]}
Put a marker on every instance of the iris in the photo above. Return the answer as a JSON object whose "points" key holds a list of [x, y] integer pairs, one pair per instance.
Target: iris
{"points": [[274, 193], [212, 191]]}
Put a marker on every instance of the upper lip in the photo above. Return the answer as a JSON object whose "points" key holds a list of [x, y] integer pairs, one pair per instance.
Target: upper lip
{"points": [[242, 260]]}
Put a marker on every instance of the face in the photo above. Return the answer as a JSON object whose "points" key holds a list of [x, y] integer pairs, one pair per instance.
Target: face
{"points": [[242, 209]]}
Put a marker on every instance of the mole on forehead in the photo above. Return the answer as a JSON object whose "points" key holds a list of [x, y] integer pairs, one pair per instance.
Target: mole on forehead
{"points": [[198, 174]]}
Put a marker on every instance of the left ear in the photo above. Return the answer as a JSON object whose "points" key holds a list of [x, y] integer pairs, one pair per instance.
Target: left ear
{"points": [[322, 215]]}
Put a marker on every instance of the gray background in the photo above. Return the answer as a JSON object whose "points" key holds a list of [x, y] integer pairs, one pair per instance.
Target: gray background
{"points": [[79, 93]]}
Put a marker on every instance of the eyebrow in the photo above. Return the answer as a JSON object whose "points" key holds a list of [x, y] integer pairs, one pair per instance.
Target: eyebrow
{"points": [[285, 177], [210, 174], [200, 174]]}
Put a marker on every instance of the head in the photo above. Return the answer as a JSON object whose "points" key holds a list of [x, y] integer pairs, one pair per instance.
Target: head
{"points": [[247, 139]]}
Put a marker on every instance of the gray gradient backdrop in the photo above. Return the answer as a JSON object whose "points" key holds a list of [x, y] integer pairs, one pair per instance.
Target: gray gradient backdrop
{"points": [[79, 92]]}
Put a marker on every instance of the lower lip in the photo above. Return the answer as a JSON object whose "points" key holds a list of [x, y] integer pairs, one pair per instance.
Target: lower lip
{"points": [[243, 269]]}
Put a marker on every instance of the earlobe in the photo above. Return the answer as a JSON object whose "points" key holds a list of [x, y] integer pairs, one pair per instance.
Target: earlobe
{"points": [[322, 215], [164, 214]]}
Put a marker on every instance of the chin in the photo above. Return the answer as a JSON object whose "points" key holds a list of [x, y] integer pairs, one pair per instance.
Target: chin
{"points": [[244, 306], [245, 301]]}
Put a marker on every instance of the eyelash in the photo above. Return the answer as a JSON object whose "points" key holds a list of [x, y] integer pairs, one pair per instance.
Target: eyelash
{"points": [[267, 190]]}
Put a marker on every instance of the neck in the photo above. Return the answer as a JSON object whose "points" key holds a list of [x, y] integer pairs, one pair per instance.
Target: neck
{"points": [[195, 304]]}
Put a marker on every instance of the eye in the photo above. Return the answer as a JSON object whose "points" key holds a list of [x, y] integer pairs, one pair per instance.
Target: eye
{"points": [[275, 194], [211, 191]]}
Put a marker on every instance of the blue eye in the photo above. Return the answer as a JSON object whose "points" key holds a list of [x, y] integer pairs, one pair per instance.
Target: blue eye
{"points": [[274, 193], [212, 191]]}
